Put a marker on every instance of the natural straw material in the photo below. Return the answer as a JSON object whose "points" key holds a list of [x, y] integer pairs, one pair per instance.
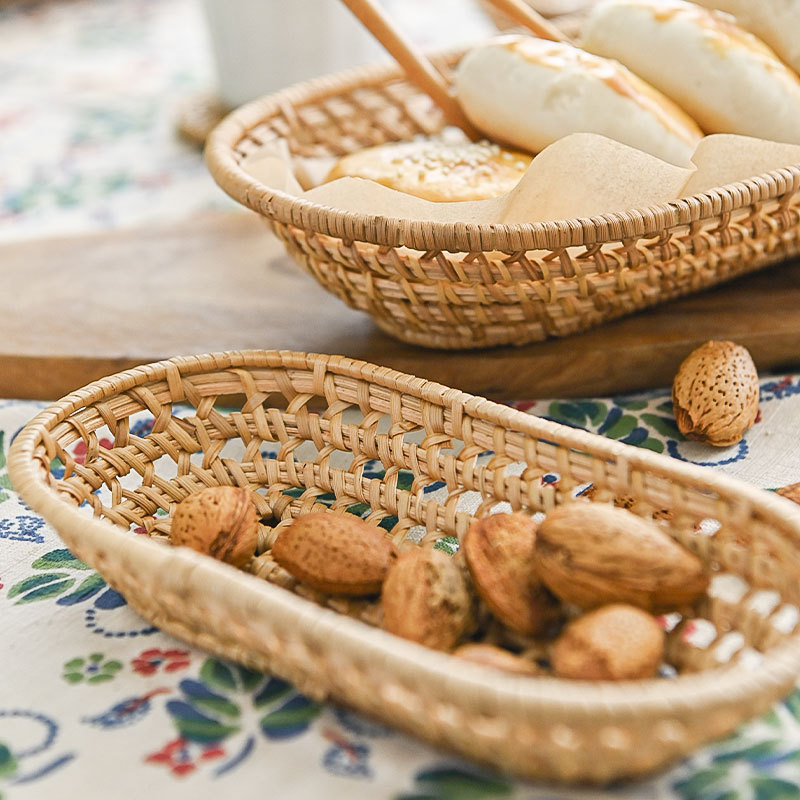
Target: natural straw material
{"points": [[458, 285], [327, 417]]}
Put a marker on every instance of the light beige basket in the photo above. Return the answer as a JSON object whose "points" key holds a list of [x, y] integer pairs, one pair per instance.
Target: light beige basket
{"points": [[327, 417], [458, 285]]}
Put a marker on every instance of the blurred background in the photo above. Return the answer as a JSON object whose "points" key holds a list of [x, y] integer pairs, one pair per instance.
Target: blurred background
{"points": [[92, 93]]}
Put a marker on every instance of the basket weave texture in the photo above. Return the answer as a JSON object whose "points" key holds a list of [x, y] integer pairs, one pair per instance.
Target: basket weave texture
{"points": [[459, 285], [324, 419]]}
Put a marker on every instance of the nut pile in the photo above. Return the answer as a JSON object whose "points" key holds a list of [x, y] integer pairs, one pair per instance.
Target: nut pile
{"points": [[573, 596]]}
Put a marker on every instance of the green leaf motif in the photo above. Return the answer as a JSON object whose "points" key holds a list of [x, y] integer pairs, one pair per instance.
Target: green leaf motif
{"points": [[653, 444], [8, 764], [698, 785], [792, 702], [209, 710], [249, 679], [272, 691], [86, 589], [291, 718], [774, 789], [40, 587], [100, 677], [229, 677], [622, 427], [216, 705], [405, 478], [580, 414], [666, 426], [754, 753], [203, 730], [218, 674], [460, 784], [59, 559], [630, 405]]}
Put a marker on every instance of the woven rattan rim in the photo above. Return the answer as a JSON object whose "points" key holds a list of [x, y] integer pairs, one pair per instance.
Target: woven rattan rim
{"points": [[453, 237], [714, 688]]}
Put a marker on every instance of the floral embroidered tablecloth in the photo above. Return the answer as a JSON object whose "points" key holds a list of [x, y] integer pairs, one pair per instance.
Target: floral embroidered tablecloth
{"points": [[93, 699], [94, 702]]}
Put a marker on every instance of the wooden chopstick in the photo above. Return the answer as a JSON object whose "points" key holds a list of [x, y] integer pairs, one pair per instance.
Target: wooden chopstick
{"points": [[529, 18], [418, 68]]}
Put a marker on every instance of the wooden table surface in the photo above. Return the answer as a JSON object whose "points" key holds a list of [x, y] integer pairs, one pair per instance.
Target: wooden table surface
{"points": [[76, 309]]}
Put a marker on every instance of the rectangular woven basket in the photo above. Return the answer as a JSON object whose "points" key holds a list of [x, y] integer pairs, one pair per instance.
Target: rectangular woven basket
{"points": [[305, 431], [458, 285]]}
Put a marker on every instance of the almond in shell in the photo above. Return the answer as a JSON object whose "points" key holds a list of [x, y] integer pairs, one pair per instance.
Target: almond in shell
{"points": [[500, 553], [591, 554], [220, 521], [791, 492], [614, 643], [426, 599], [335, 553], [715, 394]]}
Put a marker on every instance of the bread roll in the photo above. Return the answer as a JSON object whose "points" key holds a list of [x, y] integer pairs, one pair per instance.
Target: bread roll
{"points": [[726, 78], [776, 22], [530, 92], [437, 170]]}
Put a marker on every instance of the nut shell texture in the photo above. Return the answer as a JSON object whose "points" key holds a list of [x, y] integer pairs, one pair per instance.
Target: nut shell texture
{"points": [[590, 554], [500, 554], [335, 553], [613, 643], [220, 521], [791, 492], [715, 394], [426, 599]]}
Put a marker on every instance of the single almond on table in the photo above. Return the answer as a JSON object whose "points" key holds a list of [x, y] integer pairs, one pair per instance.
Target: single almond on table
{"points": [[791, 492], [612, 643], [336, 553], [220, 521], [489, 655], [591, 554], [500, 553], [715, 394], [426, 599]]}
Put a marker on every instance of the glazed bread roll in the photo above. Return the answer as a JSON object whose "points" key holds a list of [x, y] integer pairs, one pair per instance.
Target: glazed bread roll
{"points": [[776, 22], [728, 80], [530, 92], [437, 170]]}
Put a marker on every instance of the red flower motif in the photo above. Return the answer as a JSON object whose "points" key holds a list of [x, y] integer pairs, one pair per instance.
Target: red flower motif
{"points": [[79, 451], [178, 756], [148, 662]]}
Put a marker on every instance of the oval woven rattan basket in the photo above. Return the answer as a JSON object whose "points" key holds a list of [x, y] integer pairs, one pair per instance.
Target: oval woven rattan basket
{"points": [[458, 285], [312, 431]]}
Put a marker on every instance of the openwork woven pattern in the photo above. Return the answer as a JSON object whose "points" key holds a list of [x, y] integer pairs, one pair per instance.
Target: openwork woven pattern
{"points": [[300, 431], [463, 285]]}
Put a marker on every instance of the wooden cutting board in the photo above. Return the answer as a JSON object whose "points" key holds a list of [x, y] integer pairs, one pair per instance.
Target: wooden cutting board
{"points": [[76, 309]]}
